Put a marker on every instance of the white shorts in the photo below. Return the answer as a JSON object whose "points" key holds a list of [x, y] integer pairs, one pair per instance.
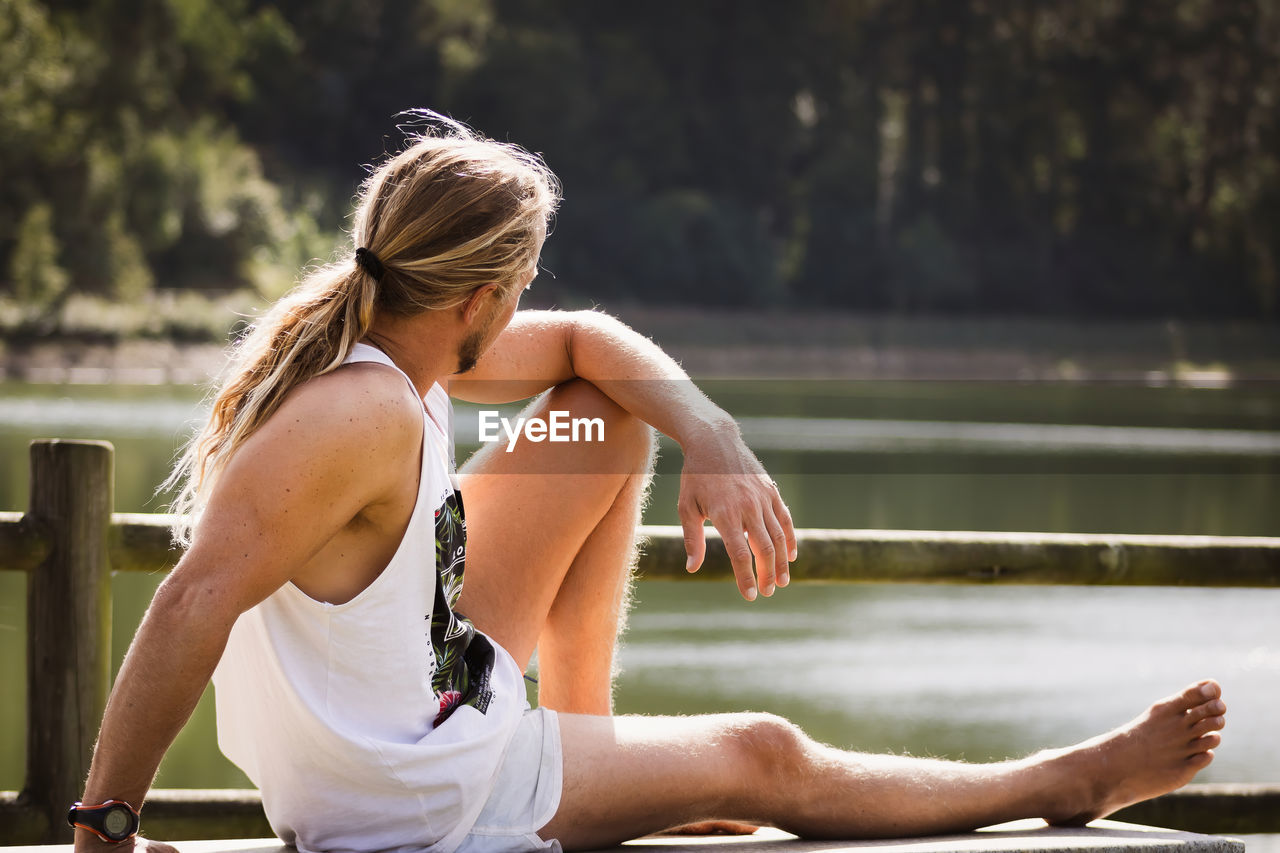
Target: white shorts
{"points": [[527, 792]]}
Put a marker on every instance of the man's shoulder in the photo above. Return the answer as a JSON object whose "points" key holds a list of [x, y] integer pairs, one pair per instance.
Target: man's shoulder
{"points": [[366, 404]]}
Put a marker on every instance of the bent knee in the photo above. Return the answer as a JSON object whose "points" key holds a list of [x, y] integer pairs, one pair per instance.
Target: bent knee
{"points": [[607, 425]]}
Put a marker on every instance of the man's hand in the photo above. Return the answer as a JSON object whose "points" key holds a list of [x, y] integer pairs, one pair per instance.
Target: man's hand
{"points": [[724, 483]]}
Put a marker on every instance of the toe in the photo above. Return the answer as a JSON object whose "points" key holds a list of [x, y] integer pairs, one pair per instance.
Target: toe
{"points": [[1205, 744], [1213, 708], [1200, 760], [1210, 689], [1208, 724], [1197, 694]]}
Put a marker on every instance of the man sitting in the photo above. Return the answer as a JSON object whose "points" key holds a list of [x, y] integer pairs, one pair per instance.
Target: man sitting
{"points": [[377, 702]]}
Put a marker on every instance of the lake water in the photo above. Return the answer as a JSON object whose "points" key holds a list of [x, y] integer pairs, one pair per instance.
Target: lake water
{"points": [[966, 671]]}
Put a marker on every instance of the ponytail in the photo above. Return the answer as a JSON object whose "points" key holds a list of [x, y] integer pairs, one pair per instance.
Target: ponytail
{"points": [[308, 333], [451, 213]]}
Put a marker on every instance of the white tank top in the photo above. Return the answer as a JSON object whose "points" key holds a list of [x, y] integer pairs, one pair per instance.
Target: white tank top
{"points": [[377, 724]]}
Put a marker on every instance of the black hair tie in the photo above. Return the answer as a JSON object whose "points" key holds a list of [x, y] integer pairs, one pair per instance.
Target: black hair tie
{"points": [[368, 261]]}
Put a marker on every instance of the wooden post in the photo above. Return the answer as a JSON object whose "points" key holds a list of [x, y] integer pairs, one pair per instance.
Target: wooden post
{"points": [[68, 623]]}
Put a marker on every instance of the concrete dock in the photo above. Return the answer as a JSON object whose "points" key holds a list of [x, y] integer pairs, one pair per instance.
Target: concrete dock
{"points": [[1024, 836]]}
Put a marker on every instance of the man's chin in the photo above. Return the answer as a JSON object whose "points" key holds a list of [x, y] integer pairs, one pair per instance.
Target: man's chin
{"points": [[467, 362], [468, 357]]}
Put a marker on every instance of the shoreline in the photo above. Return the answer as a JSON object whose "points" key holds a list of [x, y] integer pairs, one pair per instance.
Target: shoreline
{"points": [[163, 363], [764, 345], [125, 363]]}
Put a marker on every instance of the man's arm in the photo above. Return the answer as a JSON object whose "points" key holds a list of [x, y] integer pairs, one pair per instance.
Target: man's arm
{"points": [[722, 481], [302, 477]]}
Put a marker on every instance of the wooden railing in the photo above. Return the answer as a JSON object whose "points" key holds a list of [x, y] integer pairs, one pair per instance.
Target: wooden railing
{"points": [[70, 542]]}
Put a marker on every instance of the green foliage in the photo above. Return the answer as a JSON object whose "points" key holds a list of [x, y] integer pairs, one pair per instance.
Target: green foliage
{"points": [[38, 280], [113, 151], [37, 70], [1067, 157], [127, 271]]}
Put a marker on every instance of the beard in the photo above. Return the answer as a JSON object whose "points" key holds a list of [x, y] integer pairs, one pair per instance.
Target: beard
{"points": [[469, 351], [474, 345]]}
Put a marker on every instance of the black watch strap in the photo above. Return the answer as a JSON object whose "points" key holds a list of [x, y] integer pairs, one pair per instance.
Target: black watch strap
{"points": [[113, 821]]}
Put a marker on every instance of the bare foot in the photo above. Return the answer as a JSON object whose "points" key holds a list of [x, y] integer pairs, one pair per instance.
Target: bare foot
{"points": [[1157, 752]]}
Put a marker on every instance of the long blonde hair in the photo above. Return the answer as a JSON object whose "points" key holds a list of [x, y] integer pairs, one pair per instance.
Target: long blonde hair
{"points": [[450, 213]]}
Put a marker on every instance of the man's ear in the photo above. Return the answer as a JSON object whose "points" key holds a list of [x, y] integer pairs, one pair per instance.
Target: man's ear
{"points": [[475, 302]]}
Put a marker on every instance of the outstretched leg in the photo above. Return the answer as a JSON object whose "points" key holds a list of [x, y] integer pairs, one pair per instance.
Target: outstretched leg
{"points": [[550, 545], [628, 776]]}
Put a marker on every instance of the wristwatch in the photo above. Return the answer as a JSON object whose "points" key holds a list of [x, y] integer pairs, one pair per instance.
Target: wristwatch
{"points": [[112, 821]]}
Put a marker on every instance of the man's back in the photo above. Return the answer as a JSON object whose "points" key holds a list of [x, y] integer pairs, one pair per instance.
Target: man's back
{"points": [[366, 704], [336, 450]]}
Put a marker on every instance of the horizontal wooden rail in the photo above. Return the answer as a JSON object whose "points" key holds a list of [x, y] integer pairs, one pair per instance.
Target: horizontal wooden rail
{"points": [[1027, 558], [70, 542], [23, 544], [141, 543]]}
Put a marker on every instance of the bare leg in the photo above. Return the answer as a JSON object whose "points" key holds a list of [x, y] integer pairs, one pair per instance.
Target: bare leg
{"points": [[628, 776], [550, 545]]}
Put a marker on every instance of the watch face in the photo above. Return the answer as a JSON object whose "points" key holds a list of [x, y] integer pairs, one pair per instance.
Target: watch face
{"points": [[117, 822]]}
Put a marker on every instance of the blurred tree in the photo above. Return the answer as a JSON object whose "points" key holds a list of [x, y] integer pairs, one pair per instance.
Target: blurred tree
{"points": [[38, 74], [1067, 157], [108, 122], [38, 277]]}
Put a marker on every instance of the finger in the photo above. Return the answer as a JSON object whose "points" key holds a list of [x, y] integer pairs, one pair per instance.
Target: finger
{"points": [[762, 547], [779, 540], [788, 528], [695, 539], [735, 543]]}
